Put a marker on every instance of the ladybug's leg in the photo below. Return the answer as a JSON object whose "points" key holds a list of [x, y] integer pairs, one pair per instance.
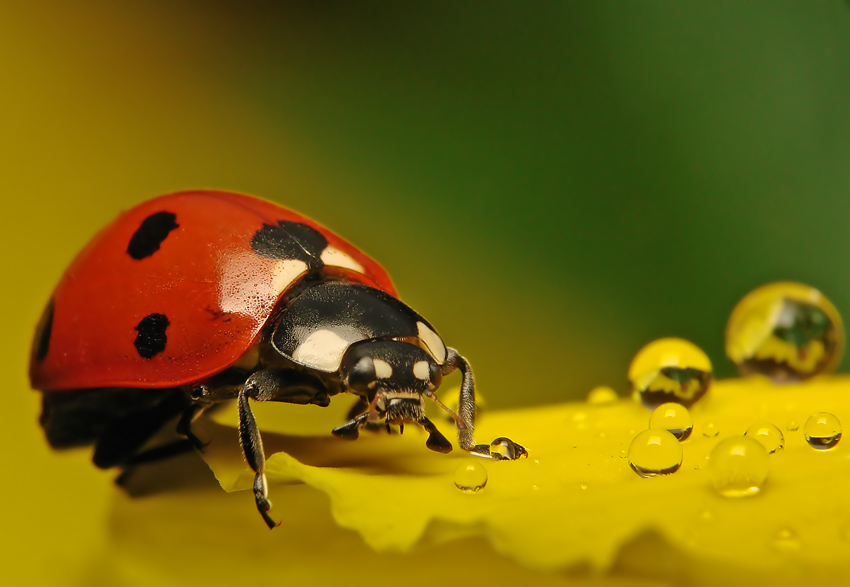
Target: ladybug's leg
{"points": [[466, 413], [351, 429], [436, 441], [252, 448], [360, 406], [184, 425]]}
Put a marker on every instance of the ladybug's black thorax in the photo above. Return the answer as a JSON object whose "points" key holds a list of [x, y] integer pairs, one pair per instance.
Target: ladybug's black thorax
{"points": [[321, 319]]}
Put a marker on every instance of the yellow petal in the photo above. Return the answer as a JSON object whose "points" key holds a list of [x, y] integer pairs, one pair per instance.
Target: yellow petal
{"points": [[575, 501]]}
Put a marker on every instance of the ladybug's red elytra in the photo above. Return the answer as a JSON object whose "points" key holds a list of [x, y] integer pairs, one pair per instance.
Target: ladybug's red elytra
{"points": [[199, 297]]}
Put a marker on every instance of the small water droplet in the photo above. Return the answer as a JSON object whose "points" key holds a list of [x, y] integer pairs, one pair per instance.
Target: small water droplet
{"points": [[602, 395], [822, 431], [770, 437], [583, 485], [787, 331], [786, 540], [738, 466], [655, 452], [710, 430], [792, 426], [471, 476], [674, 418], [670, 370]]}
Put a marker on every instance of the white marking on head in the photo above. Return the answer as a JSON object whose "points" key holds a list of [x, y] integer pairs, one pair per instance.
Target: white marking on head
{"points": [[421, 370], [383, 370], [251, 284], [323, 349], [433, 343], [336, 258]]}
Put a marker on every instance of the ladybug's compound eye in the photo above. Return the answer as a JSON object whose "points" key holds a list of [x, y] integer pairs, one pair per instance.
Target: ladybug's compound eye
{"points": [[362, 376]]}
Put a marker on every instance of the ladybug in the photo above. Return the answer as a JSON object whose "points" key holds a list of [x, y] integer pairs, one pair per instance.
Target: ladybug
{"points": [[199, 297]]}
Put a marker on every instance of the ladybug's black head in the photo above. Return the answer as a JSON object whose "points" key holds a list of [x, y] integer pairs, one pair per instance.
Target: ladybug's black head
{"points": [[393, 376]]}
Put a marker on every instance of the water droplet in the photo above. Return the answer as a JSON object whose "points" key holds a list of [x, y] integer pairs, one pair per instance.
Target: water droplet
{"points": [[822, 431], [787, 331], [674, 418], [471, 476], [792, 426], [710, 430], [786, 540], [602, 395], [583, 485], [670, 370], [770, 437], [738, 466], [655, 452], [504, 448]]}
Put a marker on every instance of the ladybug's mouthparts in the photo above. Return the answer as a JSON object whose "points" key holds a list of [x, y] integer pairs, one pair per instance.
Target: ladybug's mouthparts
{"points": [[399, 407]]}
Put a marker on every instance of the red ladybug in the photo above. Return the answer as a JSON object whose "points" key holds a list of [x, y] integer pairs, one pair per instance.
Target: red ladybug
{"points": [[199, 297]]}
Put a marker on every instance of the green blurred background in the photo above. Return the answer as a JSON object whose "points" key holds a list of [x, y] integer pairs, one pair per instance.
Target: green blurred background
{"points": [[553, 184]]}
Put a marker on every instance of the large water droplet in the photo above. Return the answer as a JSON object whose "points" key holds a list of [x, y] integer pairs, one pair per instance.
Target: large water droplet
{"points": [[670, 370], [770, 437], [674, 418], [471, 476], [787, 331], [822, 430], [738, 466], [655, 452]]}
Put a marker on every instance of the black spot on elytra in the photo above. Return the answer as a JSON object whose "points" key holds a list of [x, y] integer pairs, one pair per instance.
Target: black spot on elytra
{"points": [[290, 240], [149, 236], [41, 344], [151, 339]]}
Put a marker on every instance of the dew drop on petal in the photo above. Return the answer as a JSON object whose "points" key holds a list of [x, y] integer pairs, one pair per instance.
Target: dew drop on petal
{"points": [[738, 466], [504, 449], [670, 370], [792, 426], [770, 436], [710, 430], [602, 395], [655, 452], [786, 331], [674, 418], [786, 540], [471, 476], [822, 430]]}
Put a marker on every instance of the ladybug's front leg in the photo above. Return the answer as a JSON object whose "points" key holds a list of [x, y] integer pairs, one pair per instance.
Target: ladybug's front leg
{"points": [[508, 449], [252, 448]]}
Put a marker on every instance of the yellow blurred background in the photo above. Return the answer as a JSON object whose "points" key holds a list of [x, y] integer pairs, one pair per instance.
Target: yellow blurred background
{"points": [[552, 185]]}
